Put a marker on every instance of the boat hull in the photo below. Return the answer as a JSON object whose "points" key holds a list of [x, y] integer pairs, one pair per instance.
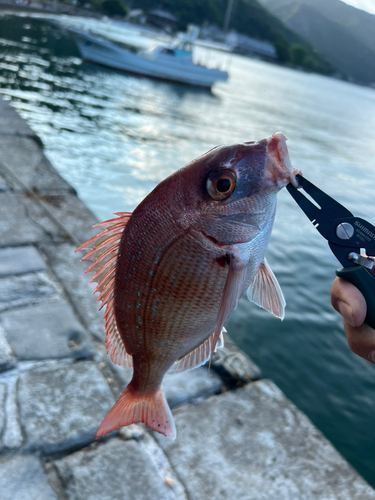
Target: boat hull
{"points": [[108, 54]]}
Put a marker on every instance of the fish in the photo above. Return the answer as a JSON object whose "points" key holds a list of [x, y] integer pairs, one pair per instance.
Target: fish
{"points": [[170, 273]]}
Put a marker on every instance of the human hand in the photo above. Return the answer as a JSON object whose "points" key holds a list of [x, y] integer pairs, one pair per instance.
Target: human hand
{"points": [[350, 303]]}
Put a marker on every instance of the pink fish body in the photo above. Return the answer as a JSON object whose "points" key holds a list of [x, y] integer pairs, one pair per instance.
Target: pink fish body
{"points": [[171, 273]]}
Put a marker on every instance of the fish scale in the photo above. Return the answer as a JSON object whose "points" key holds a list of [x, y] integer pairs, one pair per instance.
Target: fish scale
{"points": [[176, 310]]}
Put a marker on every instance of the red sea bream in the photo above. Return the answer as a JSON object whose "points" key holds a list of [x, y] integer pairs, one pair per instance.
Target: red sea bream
{"points": [[171, 273]]}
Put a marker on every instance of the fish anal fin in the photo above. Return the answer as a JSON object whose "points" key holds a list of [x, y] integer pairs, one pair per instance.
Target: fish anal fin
{"points": [[131, 407], [199, 355], [265, 291], [104, 253]]}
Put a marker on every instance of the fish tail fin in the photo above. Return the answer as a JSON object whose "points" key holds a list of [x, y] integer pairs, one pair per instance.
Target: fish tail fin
{"points": [[131, 407]]}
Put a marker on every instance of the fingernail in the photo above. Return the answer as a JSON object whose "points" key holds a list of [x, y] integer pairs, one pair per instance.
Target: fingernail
{"points": [[347, 312], [371, 357]]}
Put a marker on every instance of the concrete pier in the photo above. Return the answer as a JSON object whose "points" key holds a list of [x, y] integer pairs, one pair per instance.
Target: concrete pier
{"points": [[238, 437]]}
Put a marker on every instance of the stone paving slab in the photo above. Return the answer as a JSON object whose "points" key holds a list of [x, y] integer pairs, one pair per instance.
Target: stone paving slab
{"points": [[3, 185], [191, 386], [62, 405], [116, 470], [54, 232], [66, 263], [22, 478], [12, 438], [254, 444], [7, 360], [46, 331], [73, 213], [233, 365], [16, 228], [25, 158], [27, 289], [20, 260], [9, 182], [3, 392], [62, 215], [12, 124]]}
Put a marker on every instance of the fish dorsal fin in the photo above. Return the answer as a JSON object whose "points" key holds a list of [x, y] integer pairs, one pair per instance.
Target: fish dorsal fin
{"points": [[265, 291], [104, 249], [199, 355]]}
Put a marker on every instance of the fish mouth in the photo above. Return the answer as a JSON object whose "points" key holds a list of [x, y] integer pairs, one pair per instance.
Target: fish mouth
{"points": [[279, 167]]}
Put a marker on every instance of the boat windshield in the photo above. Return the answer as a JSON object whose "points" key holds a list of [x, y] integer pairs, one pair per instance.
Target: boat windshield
{"points": [[182, 45], [169, 52], [177, 51]]}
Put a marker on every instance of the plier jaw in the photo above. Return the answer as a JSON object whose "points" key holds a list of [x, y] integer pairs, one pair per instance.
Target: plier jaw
{"points": [[350, 238], [346, 234]]}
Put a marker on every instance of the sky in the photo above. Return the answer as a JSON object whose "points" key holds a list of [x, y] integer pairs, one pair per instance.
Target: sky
{"points": [[368, 5]]}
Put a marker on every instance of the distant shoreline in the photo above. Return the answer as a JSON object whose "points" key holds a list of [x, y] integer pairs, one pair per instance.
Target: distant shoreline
{"points": [[37, 8]]}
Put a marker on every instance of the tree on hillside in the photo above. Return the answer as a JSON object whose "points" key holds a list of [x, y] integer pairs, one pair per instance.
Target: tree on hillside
{"points": [[297, 54]]}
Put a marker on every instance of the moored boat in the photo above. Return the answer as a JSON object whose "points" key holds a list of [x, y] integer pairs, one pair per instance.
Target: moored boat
{"points": [[172, 62]]}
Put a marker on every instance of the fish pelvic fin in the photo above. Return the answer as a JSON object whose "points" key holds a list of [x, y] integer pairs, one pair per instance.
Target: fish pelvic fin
{"points": [[104, 248], [198, 356], [231, 296], [150, 408], [265, 291]]}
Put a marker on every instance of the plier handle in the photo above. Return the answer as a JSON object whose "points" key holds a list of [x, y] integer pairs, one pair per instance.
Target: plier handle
{"points": [[350, 238]]}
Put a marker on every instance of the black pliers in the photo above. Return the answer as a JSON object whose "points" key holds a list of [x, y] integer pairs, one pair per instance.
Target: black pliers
{"points": [[351, 239]]}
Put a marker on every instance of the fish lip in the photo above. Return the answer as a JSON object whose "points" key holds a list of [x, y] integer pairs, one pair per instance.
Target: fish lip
{"points": [[278, 154]]}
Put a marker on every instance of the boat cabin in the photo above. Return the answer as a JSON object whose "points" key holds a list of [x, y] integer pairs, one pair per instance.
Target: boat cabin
{"points": [[178, 51]]}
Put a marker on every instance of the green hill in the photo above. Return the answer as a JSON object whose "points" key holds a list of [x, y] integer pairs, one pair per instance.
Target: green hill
{"points": [[250, 18], [343, 34]]}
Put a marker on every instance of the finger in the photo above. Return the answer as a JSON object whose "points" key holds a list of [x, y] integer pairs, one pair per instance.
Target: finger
{"points": [[349, 302], [361, 340]]}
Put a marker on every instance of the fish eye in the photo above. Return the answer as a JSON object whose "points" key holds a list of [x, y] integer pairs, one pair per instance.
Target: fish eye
{"points": [[220, 185]]}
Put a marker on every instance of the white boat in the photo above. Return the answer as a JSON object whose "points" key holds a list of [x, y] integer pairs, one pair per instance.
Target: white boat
{"points": [[166, 62]]}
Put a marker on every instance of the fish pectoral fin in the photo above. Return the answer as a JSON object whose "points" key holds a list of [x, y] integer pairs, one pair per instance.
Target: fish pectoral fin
{"points": [[265, 291], [132, 407], [199, 355]]}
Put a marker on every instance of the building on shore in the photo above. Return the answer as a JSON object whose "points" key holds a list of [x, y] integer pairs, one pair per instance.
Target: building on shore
{"points": [[239, 43], [243, 44]]}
